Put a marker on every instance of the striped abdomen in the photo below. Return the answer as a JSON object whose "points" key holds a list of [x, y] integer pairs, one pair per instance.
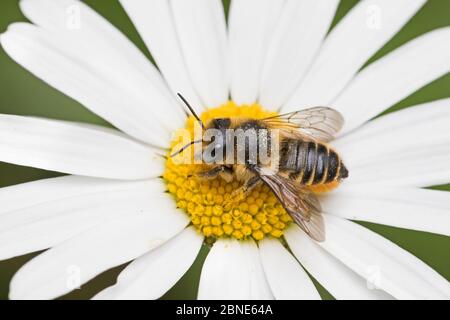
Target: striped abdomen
{"points": [[311, 163]]}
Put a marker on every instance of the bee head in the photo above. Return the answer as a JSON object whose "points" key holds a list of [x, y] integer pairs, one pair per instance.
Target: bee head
{"points": [[215, 139], [221, 123]]}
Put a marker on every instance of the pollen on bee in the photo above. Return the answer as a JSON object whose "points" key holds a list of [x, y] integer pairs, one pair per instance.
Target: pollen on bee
{"points": [[205, 201], [323, 188]]}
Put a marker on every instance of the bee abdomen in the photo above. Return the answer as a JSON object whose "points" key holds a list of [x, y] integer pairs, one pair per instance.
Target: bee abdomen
{"points": [[314, 163], [323, 154], [310, 162], [336, 170]]}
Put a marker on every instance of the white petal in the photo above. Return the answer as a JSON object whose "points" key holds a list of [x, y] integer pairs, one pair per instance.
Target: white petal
{"points": [[364, 30], [339, 280], [50, 57], [201, 29], [76, 261], [76, 149], [397, 132], [75, 20], [37, 192], [232, 270], [296, 40], [254, 272], [416, 209], [418, 167], [394, 77], [383, 263], [286, 277], [152, 275], [154, 22], [250, 26], [96, 65], [397, 149], [45, 225]]}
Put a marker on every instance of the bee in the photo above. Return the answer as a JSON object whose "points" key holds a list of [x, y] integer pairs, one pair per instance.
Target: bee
{"points": [[304, 162]]}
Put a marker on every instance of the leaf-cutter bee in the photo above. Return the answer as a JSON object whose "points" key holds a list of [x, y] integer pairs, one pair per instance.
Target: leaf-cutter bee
{"points": [[303, 163]]}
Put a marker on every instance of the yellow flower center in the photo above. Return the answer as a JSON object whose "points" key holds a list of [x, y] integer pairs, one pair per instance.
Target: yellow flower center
{"points": [[206, 200]]}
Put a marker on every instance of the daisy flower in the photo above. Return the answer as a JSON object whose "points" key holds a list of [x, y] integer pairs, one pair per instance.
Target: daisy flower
{"points": [[124, 200]]}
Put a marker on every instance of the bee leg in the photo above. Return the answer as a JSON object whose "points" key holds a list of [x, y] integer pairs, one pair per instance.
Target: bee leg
{"points": [[227, 174], [214, 172], [240, 193]]}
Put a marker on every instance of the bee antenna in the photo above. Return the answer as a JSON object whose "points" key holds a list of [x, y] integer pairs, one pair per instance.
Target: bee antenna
{"points": [[185, 147], [191, 109]]}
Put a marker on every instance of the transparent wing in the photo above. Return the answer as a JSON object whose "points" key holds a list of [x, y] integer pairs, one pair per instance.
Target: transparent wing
{"points": [[319, 123], [301, 204]]}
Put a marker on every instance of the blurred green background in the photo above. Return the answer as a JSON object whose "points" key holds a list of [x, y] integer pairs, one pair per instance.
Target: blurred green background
{"points": [[23, 94]]}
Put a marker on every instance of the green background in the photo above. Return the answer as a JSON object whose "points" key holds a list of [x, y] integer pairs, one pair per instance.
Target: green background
{"points": [[23, 94]]}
